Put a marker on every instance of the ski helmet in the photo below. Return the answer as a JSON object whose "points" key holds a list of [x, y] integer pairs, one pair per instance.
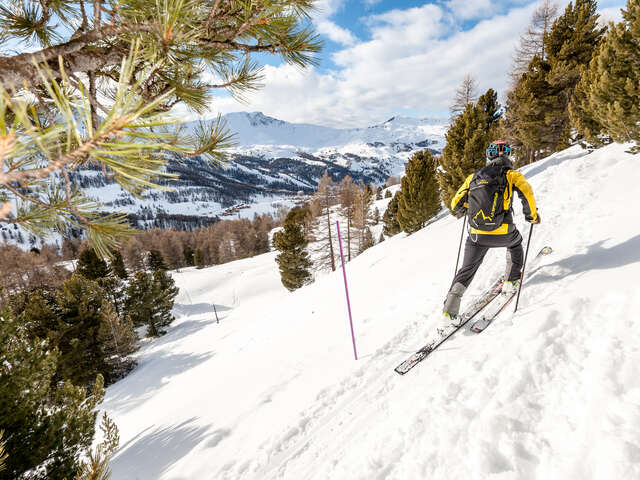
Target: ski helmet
{"points": [[499, 148]]}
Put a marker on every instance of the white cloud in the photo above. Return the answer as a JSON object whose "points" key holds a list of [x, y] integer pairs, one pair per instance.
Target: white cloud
{"points": [[325, 9], [465, 9], [335, 32], [414, 59]]}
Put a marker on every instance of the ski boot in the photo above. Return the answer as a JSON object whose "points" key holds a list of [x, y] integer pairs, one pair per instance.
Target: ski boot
{"points": [[509, 287], [448, 320]]}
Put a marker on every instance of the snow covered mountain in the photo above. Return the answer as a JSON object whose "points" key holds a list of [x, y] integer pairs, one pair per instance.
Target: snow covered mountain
{"points": [[270, 164], [273, 391]]}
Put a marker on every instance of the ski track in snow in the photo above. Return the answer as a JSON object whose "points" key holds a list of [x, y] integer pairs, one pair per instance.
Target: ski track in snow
{"points": [[273, 392]]}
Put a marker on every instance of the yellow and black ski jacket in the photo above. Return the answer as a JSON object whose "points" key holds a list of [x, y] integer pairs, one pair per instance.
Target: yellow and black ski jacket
{"points": [[515, 182]]}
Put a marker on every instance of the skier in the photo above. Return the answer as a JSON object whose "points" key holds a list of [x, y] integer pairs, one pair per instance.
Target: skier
{"points": [[486, 198]]}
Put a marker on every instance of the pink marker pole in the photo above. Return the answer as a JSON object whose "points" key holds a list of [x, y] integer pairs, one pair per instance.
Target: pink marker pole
{"points": [[346, 289]]}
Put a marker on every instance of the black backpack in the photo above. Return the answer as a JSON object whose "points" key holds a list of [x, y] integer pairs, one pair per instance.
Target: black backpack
{"points": [[486, 197]]}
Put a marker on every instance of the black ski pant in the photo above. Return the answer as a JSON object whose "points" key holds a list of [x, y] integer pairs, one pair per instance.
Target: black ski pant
{"points": [[477, 246]]}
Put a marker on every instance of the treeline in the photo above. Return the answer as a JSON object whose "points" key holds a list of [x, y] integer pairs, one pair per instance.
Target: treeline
{"points": [[64, 336], [222, 242]]}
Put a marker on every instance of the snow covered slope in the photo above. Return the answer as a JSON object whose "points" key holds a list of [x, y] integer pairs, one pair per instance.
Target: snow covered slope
{"points": [[273, 391]]}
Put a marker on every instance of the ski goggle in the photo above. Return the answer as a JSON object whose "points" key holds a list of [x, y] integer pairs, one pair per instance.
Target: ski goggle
{"points": [[497, 150]]}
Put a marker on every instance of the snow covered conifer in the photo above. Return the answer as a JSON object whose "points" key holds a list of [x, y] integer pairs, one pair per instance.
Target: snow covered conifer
{"points": [[388, 194], [420, 198], [293, 260]]}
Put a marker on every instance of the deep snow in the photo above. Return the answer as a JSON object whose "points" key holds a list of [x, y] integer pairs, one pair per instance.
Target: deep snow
{"points": [[273, 391]]}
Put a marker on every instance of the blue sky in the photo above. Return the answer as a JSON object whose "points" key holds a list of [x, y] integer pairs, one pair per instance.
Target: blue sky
{"points": [[396, 57]]}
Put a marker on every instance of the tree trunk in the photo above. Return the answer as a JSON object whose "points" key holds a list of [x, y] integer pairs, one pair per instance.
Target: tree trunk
{"points": [[333, 263]]}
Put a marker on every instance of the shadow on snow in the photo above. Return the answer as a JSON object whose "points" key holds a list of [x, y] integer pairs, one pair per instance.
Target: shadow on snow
{"points": [[153, 451]]}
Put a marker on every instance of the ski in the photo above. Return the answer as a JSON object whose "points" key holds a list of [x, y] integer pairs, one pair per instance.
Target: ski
{"points": [[476, 307], [500, 304], [481, 302], [492, 312]]}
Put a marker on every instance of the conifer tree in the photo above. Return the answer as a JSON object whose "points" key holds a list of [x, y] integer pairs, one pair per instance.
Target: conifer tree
{"points": [[96, 466], [467, 140], [90, 266], [570, 45], [47, 424], [117, 341], [155, 261], [529, 113], [420, 199], [390, 217], [150, 299], [164, 295], [79, 310], [189, 253], [293, 259], [606, 104], [388, 194], [117, 266], [198, 258]]}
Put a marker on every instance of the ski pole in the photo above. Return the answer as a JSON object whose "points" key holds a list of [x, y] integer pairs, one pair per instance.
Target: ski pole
{"points": [[216, 312], [346, 290], [523, 265], [464, 224]]}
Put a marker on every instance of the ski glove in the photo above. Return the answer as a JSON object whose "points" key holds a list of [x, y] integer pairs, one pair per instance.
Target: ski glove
{"points": [[536, 221], [459, 212]]}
